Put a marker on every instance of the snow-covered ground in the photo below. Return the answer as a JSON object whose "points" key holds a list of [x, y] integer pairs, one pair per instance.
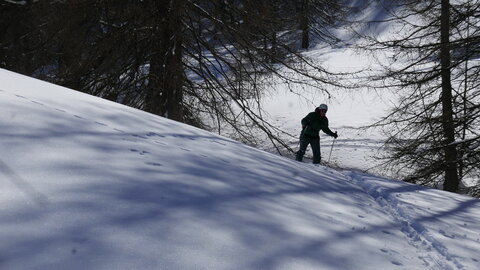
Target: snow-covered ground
{"points": [[90, 184]]}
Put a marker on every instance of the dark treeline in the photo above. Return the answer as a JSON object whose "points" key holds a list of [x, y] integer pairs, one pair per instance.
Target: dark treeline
{"points": [[195, 61]]}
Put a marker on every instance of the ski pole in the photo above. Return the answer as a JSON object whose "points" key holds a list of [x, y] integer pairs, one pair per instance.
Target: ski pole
{"points": [[331, 149]]}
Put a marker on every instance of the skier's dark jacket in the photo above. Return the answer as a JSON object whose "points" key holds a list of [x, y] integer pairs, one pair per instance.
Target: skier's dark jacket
{"points": [[313, 123]]}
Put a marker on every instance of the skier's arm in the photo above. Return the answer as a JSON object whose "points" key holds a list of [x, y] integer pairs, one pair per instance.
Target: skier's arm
{"points": [[305, 121], [328, 131]]}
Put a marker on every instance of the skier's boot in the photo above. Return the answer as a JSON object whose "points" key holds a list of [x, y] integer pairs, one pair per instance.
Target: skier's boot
{"points": [[299, 156]]}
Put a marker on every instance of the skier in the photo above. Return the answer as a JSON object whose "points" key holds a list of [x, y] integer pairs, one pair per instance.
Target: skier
{"points": [[311, 126]]}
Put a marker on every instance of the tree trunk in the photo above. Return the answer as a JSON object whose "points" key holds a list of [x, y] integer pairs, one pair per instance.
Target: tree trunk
{"points": [[165, 87], [451, 175], [304, 25]]}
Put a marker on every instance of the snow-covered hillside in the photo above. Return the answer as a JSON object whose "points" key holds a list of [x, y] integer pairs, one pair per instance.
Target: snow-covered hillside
{"points": [[90, 184]]}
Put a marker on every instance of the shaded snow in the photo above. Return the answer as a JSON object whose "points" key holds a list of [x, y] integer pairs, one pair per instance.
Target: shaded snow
{"points": [[90, 184]]}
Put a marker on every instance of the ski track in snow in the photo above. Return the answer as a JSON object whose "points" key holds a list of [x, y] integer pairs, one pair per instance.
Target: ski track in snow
{"points": [[435, 254]]}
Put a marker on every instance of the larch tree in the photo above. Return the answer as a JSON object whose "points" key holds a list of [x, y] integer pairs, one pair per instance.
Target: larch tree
{"points": [[433, 129], [202, 62]]}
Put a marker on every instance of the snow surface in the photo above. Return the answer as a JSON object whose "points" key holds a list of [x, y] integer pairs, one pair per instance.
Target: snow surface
{"points": [[91, 184]]}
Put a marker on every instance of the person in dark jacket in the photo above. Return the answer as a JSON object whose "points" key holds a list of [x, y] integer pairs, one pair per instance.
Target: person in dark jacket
{"points": [[311, 126]]}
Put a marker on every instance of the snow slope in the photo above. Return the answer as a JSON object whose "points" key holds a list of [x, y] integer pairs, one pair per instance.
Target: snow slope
{"points": [[90, 184]]}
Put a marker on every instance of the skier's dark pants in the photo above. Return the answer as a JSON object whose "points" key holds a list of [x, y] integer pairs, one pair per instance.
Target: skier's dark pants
{"points": [[314, 143]]}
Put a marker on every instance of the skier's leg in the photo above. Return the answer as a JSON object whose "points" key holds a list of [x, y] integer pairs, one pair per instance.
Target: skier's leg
{"points": [[315, 144], [303, 147]]}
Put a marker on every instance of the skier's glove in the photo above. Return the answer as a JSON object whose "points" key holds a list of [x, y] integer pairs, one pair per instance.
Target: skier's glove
{"points": [[335, 135]]}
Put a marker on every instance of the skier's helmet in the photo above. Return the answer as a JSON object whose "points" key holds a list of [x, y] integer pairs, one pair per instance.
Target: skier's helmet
{"points": [[323, 107]]}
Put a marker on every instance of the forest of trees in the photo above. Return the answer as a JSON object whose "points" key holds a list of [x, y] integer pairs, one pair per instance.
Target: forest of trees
{"points": [[195, 61], [206, 62]]}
